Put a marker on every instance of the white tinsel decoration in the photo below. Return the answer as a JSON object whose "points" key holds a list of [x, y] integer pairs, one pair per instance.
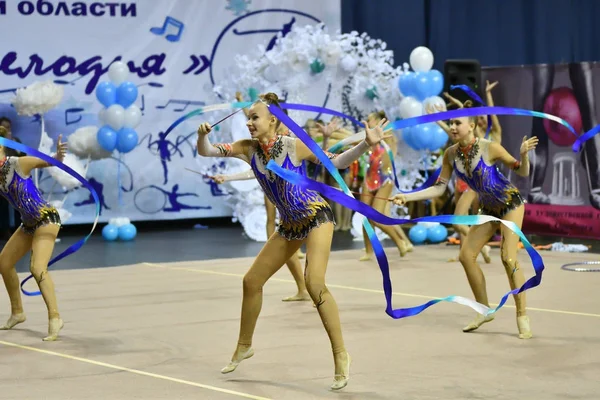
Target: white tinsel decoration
{"points": [[38, 98]]}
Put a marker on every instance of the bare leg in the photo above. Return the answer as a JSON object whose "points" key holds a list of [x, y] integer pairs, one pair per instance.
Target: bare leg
{"points": [[516, 278], [16, 247], [368, 200], [463, 206], [271, 258], [41, 252], [293, 263], [474, 242], [318, 247], [295, 267], [382, 206]]}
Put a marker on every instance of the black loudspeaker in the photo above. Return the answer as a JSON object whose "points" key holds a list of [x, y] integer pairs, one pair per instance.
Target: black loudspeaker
{"points": [[462, 72]]}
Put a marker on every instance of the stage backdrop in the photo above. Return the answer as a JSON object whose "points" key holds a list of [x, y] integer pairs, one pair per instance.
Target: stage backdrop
{"points": [[177, 50], [563, 189]]}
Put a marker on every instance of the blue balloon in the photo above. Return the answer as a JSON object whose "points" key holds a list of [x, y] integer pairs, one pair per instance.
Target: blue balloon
{"points": [[127, 232], [421, 86], [127, 140], [440, 138], [126, 94], [407, 136], [106, 93], [406, 84], [417, 234], [423, 136], [107, 138], [436, 82], [110, 232], [437, 233]]}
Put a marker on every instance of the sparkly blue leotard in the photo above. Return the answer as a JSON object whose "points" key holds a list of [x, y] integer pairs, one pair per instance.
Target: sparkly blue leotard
{"points": [[300, 210], [20, 191], [497, 196]]}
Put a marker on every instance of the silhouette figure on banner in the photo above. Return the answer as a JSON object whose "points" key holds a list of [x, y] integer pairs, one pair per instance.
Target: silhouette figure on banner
{"points": [[173, 197], [173, 37], [99, 188], [164, 149]]}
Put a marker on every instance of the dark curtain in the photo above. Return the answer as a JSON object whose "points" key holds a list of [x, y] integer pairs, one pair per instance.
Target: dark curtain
{"points": [[495, 32]]}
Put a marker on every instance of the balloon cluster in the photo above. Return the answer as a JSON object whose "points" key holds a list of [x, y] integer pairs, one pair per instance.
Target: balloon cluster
{"points": [[119, 228], [120, 116], [420, 89], [432, 231]]}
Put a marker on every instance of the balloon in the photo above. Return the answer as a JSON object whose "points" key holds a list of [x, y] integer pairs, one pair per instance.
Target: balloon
{"points": [[118, 72], [562, 103], [133, 116], [127, 232], [106, 93], [436, 82], [410, 107], [417, 234], [440, 138], [102, 116], [115, 116], [406, 84], [437, 233], [423, 136], [126, 94], [407, 136], [436, 103], [421, 59], [107, 138], [127, 140], [110, 232]]}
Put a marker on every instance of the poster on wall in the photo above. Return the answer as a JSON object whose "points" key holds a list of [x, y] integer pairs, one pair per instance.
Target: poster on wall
{"points": [[176, 52], [563, 187]]}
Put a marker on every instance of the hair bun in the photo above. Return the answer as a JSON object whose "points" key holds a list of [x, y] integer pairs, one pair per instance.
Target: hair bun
{"points": [[270, 98]]}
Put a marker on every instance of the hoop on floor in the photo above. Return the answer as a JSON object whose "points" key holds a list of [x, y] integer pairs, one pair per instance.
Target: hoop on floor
{"points": [[569, 267]]}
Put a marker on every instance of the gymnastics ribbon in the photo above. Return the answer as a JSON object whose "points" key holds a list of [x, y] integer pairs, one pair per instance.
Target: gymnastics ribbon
{"points": [[347, 200], [51, 160]]}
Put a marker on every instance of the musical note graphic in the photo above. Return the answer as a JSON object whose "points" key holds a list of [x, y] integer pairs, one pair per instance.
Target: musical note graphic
{"points": [[186, 103], [171, 37], [72, 111]]}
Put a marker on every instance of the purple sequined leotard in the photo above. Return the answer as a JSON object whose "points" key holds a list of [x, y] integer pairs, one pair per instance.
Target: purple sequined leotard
{"points": [[497, 196], [20, 191], [300, 210]]}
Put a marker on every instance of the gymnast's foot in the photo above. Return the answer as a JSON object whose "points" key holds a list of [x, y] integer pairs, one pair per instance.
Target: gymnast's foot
{"points": [[477, 322], [15, 319], [241, 353], [342, 371], [402, 248], [302, 295], [524, 328], [485, 252], [54, 326], [365, 257]]}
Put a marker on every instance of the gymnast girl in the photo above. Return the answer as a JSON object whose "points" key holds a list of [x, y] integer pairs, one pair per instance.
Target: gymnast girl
{"points": [[466, 199], [305, 216], [37, 233], [378, 185], [474, 159]]}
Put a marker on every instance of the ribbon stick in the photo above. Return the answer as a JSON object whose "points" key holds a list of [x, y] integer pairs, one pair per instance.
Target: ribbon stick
{"points": [[52, 161]]}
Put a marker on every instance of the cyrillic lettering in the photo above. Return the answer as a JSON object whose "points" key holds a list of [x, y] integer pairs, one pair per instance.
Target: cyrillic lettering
{"points": [[93, 8], [64, 7], [26, 11], [79, 8], [112, 8], [40, 7], [2, 7], [128, 9]]}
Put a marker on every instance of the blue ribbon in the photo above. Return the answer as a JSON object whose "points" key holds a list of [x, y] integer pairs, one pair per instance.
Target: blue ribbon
{"points": [[50, 160]]}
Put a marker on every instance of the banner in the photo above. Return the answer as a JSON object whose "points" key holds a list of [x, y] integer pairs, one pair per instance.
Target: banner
{"points": [[176, 50], [563, 188]]}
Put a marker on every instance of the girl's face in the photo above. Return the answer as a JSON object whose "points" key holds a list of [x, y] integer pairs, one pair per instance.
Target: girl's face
{"points": [[260, 121], [460, 128]]}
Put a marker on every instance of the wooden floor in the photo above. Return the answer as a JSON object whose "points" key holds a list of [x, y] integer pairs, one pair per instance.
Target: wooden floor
{"points": [[164, 331]]}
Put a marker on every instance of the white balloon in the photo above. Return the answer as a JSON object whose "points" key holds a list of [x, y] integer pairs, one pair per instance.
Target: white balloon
{"points": [[115, 116], [410, 107], [435, 102], [421, 59], [133, 116], [118, 72]]}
